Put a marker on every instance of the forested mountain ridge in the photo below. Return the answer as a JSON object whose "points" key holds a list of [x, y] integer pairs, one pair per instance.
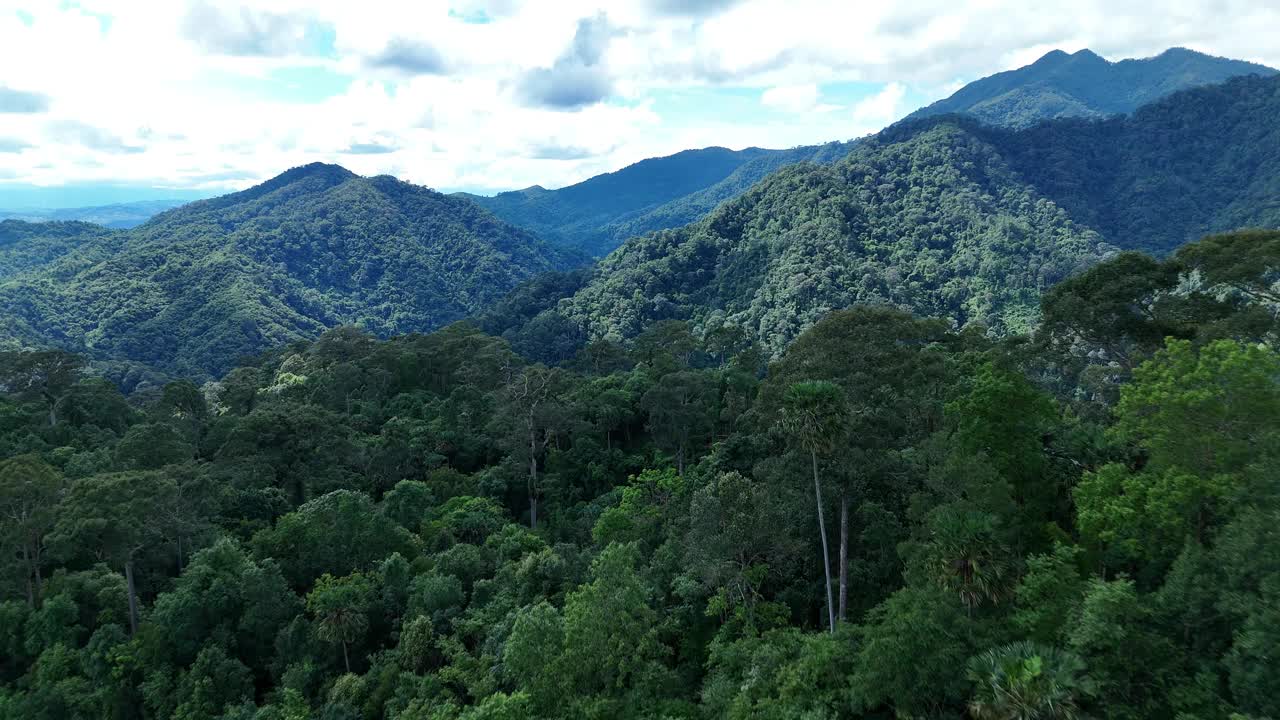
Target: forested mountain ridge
{"points": [[598, 214], [937, 223], [947, 216], [201, 285], [1200, 161], [1080, 523], [1083, 84]]}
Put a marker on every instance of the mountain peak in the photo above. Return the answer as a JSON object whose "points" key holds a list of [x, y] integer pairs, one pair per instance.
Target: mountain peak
{"points": [[1050, 58], [1085, 84], [314, 169]]}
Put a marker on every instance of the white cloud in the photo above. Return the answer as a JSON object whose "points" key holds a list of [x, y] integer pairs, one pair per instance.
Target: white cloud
{"points": [[795, 99], [882, 108], [443, 93]]}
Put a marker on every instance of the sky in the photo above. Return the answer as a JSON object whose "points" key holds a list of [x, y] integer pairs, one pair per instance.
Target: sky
{"points": [[117, 100]]}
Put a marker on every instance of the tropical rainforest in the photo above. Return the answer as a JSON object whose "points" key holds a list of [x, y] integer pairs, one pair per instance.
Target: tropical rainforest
{"points": [[200, 286], [965, 419], [943, 216], [892, 519]]}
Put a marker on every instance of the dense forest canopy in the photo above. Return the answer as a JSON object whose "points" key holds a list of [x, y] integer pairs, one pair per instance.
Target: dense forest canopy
{"points": [[893, 519], [1083, 84], [200, 286], [944, 216]]}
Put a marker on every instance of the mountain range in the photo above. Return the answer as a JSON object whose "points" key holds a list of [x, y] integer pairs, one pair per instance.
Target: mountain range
{"points": [[949, 216], [1084, 84], [598, 214], [119, 216]]}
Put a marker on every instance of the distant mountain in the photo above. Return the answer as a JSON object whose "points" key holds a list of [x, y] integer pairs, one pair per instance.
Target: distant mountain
{"points": [[201, 285], [118, 216], [946, 216], [598, 214], [1084, 84]]}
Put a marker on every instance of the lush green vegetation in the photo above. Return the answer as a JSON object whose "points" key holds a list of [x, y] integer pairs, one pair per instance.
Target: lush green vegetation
{"points": [[1085, 85], [1201, 161], [947, 217], [200, 286], [26, 246], [599, 214], [891, 520], [937, 223]]}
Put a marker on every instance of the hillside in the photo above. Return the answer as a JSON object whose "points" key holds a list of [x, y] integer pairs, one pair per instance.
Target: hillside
{"points": [[938, 223], [951, 218], [201, 285], [26, 246], [119, 216], [598, 214], [1083, 84]]}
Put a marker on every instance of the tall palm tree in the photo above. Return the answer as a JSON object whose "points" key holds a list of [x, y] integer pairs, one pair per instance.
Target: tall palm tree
{"points": [[814, 416]]}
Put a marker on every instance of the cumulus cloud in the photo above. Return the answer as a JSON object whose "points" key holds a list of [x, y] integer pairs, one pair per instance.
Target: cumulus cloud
{"points": [[409, 56], [882, 108], [474, 93], [247, 32], [578, 78], [795, 99], [21, 101]]}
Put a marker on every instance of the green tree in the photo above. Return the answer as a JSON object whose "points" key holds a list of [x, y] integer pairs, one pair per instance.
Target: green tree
{"points": [[813, 417], [114, 515], [1026, 681], [30, 491], [340, 607]]}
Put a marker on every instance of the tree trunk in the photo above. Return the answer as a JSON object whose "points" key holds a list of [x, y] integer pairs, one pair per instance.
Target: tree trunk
{"points": [[680, 459], [844, 556], [826, 557], [533, 481], [31, 594], [35, 572], [345, 660], [133, 597]]}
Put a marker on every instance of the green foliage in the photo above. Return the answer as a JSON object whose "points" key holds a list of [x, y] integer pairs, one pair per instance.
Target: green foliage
{"points": [[1025, 680], [335, 530], [201, 286]]}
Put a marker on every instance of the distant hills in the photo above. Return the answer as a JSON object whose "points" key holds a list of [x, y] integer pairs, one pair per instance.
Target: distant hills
{"points": [[199, 286], [118, 216], [1083, 84], [598, 214], [948, 217]]}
